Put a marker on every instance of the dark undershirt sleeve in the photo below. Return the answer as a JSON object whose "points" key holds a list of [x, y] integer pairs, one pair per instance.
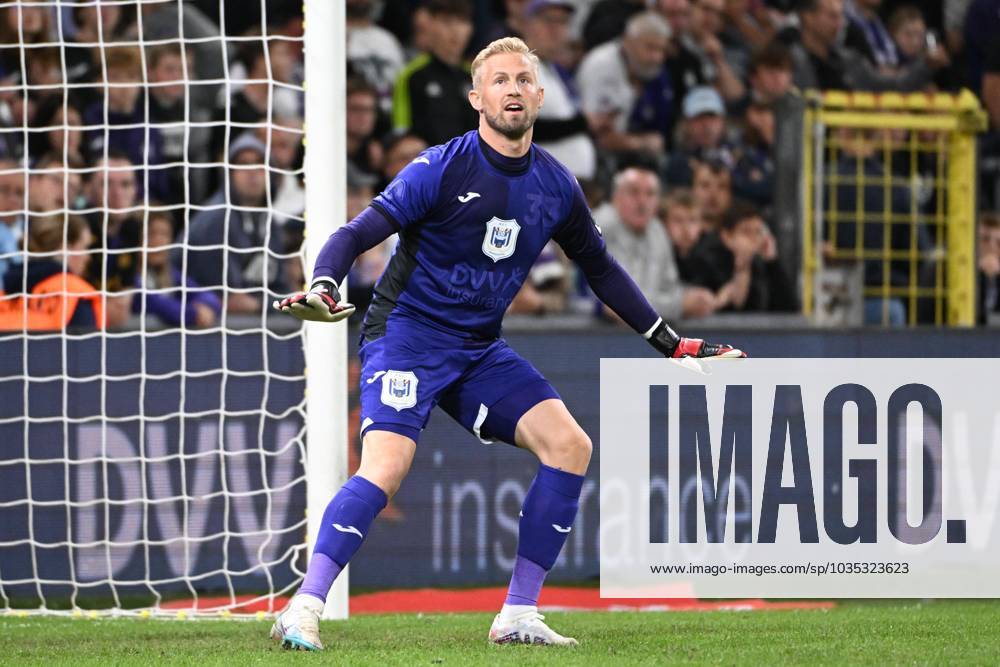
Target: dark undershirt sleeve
{"points": [[363, 233], [581, 239]]}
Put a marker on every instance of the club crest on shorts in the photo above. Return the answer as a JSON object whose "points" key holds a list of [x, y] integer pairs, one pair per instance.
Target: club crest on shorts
{"points": [[500, 239], [399, 389]]}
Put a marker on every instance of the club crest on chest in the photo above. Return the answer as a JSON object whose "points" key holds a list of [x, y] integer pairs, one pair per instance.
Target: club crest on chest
{"points": [[501, 238], [399, 389]]}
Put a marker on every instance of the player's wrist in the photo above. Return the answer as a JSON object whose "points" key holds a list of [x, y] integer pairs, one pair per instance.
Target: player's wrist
{"points": [[325, 285], [664, 339]]}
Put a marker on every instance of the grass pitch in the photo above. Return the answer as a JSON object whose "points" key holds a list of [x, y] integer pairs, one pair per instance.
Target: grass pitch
{"points": [[942, 632]]}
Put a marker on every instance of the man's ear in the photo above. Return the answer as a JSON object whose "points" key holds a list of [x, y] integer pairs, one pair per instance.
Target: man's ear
{"points": [[475, 100]]}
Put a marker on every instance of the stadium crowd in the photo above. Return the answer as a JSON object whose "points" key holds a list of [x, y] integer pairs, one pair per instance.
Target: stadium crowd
{"points": [[157, 175]]}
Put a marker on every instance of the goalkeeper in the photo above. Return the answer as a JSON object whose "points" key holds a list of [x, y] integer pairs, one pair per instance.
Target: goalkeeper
{"points": [[472, 216]]}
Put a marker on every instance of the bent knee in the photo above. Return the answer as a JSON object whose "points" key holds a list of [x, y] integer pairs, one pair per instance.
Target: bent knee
{"points": [[570, 450]]}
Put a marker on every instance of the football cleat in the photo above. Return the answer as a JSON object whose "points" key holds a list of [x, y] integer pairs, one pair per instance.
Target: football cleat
{"points": [[297, 627], [527, 628]]}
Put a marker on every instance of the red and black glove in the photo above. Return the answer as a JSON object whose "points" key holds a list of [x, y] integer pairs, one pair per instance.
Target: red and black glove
{"points": [[670, 345], [320, 304]]}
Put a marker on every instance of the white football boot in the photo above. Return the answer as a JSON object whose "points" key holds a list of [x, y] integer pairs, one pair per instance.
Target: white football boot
{"points": [[525, 626], [297, 627]]}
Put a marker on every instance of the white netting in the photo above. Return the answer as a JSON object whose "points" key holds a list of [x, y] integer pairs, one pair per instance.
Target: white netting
{"points": [[151, 409]]}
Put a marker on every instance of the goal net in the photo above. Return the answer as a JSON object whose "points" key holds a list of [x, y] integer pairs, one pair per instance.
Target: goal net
{"points": [[152, 410]]}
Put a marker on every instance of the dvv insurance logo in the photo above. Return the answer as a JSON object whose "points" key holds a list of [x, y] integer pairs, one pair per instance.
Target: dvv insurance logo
{"points": [[800, 478]]}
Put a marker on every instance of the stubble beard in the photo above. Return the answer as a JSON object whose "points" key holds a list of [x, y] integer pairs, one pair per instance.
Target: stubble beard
{"points": [[512, 130]]}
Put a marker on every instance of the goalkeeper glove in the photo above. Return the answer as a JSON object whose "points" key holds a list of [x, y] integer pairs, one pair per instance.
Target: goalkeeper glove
{"points": [[320, 304], [670, 345]]}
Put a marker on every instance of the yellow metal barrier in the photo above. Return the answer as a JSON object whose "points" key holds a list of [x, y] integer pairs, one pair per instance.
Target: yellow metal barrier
{"points": [[889, 200]]}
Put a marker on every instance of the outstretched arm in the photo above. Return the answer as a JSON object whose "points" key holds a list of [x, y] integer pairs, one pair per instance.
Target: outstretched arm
{"points": [[581, 239], [323, 301]]}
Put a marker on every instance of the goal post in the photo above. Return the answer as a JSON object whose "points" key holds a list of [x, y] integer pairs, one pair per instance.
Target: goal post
{"points": [[325, 345]]}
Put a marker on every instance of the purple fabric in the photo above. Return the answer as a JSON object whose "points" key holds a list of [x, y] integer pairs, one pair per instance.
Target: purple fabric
{"points": [[320, 576], [167, 306], [617, 290], [547, 515], [525, 583], [366, 231]]}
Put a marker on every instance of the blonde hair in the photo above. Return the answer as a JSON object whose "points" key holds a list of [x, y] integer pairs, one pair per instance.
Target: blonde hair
{"points": [[498, 46]]}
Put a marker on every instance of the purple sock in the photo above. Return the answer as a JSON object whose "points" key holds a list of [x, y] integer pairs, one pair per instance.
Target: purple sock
{"points": [[525, 583], [547, 517], [320, 576]]}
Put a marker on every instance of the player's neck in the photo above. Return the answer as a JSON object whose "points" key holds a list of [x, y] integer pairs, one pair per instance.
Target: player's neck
{"points": [[504, 145]]}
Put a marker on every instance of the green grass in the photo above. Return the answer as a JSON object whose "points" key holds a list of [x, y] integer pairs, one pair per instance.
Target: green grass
{"points": [[943, 632]]}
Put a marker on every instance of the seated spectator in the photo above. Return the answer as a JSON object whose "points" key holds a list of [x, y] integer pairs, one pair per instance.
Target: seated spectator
{"points": [[49, 293], [702, 136], [561, 127], [289, 200], [982, 25], [740, 264], [54, 186], [431, 93], [124, 66], [606, 21], [116, 230], [164, 293], [626, 90], [21, 24], [909, 33], [65, 136], [373, 51], [11, 213], [770, 74], [861, 213], [703, 38], [682, 221], [640, 244], [989, 267], [821, 62], [401, 148], [867, 34], [169, 111], [512, 24], [363, 149], [753, 173], [546, 290], [368, 267], [248, 267], [713, 192]]}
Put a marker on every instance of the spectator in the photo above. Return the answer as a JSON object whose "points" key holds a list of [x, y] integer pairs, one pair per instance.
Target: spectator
{"points": [[170, 112], [703, 39], [909, 33], [124, 67], [12, 209], [859, 162], [820, 62], [363, 149], [991, 89], [248, 267], [683, 63], [57, 130], [431, 94], [53, 185], [163, 291], [289, 200], [373, 51], [753, 173], [770, 74], [702, 136], [626, 90], [867, 35], [740, 264], [606, 21], [546, 290], [116, 230], [982, 25], [511, 26], [368, 267], [561, 127], [401, 148], [16, 110], [53, 285], [684, 225], [713, 193], [989, 266], [639, 242], [23, 23]]}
